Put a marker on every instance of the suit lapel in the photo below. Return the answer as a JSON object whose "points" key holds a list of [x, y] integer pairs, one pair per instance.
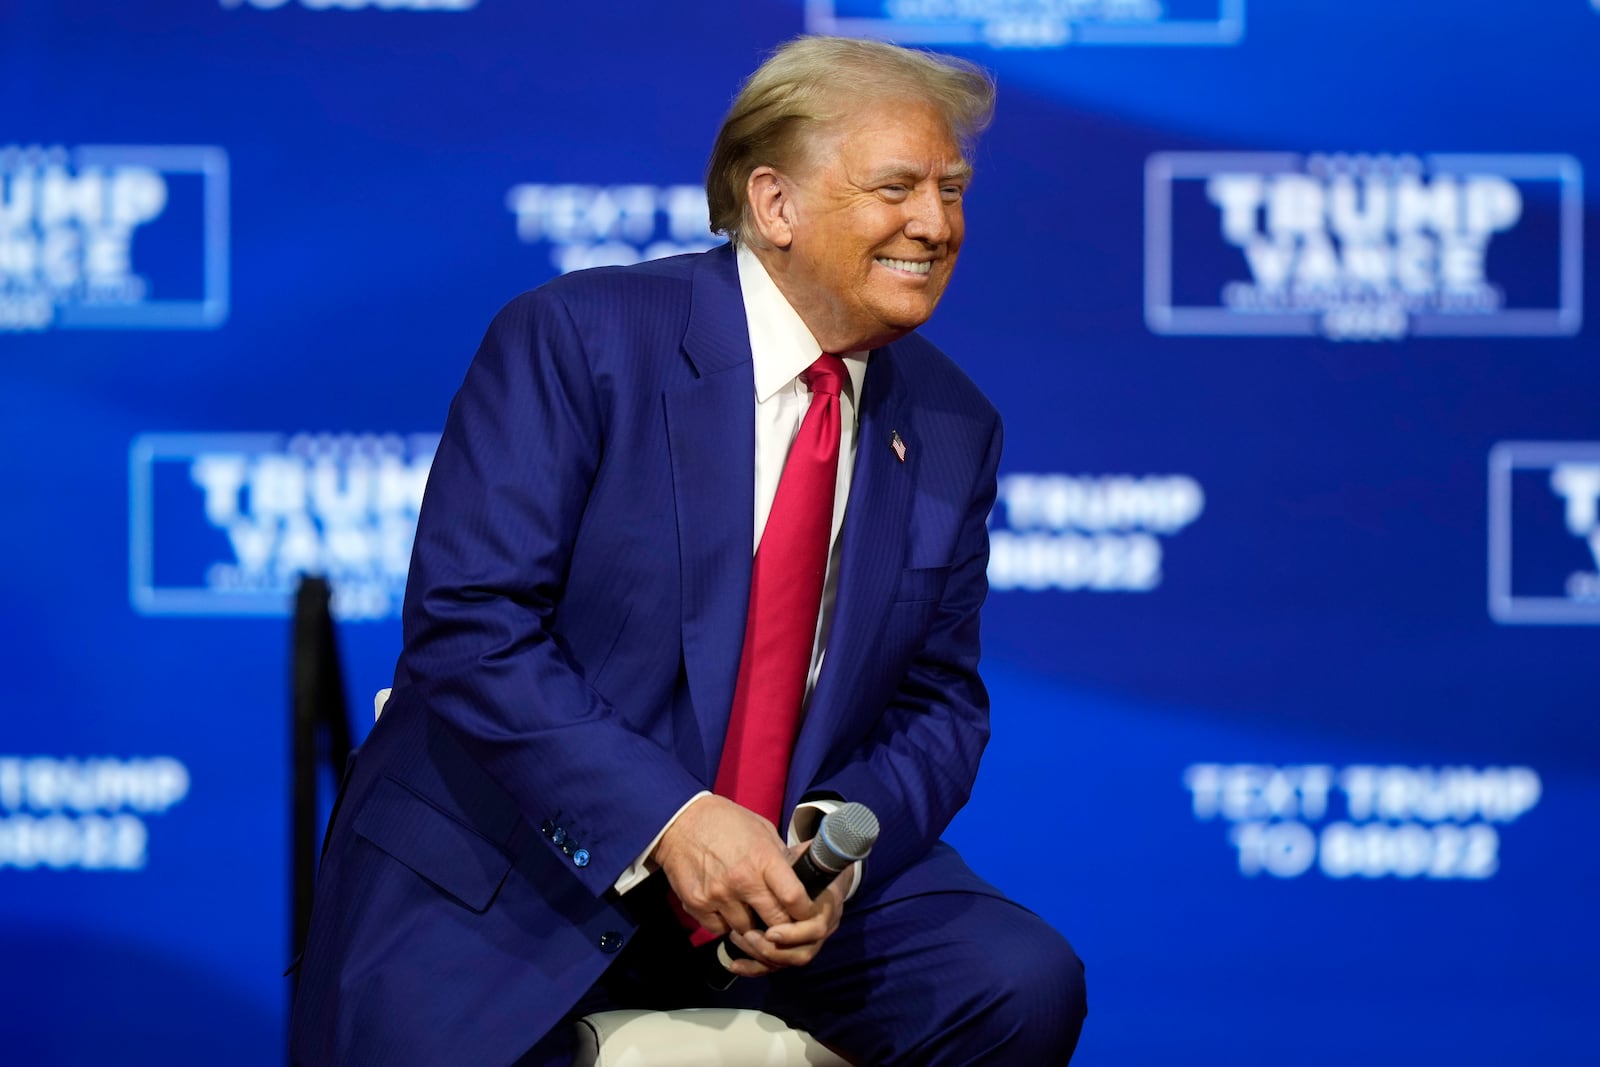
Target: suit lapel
{"points": [[711, 437], [871, 556]]}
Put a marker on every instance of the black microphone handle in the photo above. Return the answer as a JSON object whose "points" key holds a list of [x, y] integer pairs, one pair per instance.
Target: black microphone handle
{"points": [[813, 874]]}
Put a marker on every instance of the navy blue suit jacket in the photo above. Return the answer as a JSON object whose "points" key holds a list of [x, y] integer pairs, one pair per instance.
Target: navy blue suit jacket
{"points": [[573, 622]]}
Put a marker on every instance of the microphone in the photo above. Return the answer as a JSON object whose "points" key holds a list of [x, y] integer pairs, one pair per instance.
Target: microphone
{"points": [[846, 835]]}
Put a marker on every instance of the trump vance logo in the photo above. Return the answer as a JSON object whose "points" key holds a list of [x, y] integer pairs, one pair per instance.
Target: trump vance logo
{"points": [[113, 236], [1544, 532], [358, 5], [1359, 247], [224, 524], [1032, 23]]}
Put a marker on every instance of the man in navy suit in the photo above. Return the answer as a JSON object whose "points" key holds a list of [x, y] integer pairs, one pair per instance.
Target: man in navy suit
{"points": [[541, 810]]}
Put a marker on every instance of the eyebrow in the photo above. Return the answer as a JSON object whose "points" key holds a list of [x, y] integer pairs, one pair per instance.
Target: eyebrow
{"points": [[959, 172]]}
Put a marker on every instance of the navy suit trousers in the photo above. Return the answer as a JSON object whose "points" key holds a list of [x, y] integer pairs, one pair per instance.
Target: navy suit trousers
{"points": [[932, 980]]}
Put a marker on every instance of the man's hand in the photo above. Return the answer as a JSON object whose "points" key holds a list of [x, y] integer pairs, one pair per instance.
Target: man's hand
{"points": [[795, 944], [730, 868]]}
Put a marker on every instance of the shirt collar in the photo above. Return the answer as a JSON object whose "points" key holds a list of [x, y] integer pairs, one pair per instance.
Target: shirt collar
{"points": [[780, 343]]}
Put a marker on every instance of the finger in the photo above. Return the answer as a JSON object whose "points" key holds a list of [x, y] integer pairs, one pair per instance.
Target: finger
{"points": [[782, 956], [711, 921], [828, 911], [755, 946], [790, 896], [718, 914], [770, 908], [816, 929], [711, 912], [789, 935], [734, 917], [794, 957], [750, 968]]}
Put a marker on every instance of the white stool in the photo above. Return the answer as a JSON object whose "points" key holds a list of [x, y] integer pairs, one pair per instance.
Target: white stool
{"points": [[696, 1037], [691, 1037]]}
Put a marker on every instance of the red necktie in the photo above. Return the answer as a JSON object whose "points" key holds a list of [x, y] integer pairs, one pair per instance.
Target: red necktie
{"points": [[785, 597]]}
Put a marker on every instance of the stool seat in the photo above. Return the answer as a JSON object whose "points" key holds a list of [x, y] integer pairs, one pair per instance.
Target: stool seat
{"points": [[696, 1037]]}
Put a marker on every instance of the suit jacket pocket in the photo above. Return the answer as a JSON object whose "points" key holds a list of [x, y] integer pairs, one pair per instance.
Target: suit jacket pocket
{"points": [[921, 583], [453, 857]]}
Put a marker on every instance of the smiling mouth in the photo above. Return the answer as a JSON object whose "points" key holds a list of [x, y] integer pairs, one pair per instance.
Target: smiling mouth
{"points": [[906, 266]]}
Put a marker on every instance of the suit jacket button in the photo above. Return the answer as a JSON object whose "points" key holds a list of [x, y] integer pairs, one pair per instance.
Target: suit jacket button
{"points": [[560, 835], [547, 828], [581, 857], [610, 941]]}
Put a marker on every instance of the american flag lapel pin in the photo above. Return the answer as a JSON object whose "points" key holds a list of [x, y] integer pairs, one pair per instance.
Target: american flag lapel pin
{"points": [[898, 445]]}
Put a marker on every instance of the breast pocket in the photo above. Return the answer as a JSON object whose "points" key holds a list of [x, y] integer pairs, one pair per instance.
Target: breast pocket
{"points": [[921, 583], [453, 857]]}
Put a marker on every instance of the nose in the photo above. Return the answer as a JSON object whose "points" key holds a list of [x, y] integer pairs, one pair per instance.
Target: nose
{"points": [[928, 216]]}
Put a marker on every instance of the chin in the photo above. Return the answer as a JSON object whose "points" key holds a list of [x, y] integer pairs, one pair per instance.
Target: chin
{"points": [[906, 319]]}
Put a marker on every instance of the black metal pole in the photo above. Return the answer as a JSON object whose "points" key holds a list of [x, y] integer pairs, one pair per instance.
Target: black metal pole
{"points": [[318, 713]]}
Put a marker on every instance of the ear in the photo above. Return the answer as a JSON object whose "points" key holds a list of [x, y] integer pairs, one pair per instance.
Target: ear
{"points": [[771, 206]]}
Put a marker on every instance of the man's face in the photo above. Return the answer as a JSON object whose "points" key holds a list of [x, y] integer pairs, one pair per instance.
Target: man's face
{"points": [[877, 224]]}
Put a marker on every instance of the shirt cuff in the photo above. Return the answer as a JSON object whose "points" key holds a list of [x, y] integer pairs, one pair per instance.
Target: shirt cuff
{"points": [[803, 826], [640, 869]]}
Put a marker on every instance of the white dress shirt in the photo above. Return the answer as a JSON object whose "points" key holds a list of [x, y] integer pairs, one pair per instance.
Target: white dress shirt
{"points": [[782, 349]]}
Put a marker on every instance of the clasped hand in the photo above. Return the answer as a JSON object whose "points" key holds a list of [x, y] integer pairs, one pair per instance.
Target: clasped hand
{"points": [[733, 873]]}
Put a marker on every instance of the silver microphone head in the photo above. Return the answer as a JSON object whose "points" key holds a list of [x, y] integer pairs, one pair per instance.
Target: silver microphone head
{"points": [[845, 836]]}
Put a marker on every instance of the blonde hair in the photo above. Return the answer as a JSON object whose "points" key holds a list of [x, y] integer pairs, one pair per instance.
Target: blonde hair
{"points": [[811, 81]]}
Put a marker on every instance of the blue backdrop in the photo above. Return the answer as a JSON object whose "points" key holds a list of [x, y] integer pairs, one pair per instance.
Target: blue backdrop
{"points": [[1291, 638]]}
